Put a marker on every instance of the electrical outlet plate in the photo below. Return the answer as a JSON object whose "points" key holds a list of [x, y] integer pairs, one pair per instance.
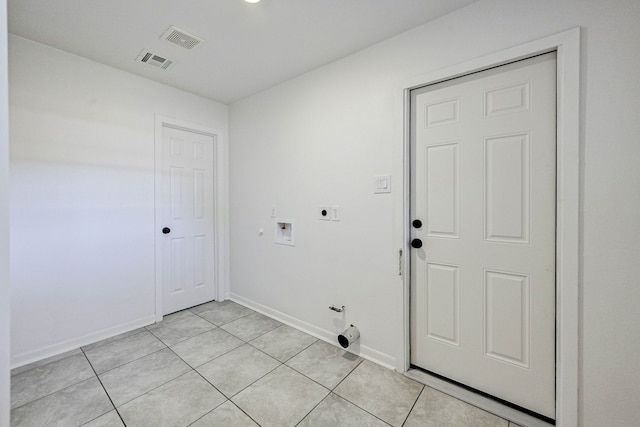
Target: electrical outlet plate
{"points": [[324, 213]]}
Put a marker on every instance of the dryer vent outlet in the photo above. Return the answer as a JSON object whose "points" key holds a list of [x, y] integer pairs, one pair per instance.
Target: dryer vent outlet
{"points": [[349, 336]]}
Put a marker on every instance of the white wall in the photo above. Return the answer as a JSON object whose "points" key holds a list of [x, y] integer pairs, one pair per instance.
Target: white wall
{"points": [[320, 138], [82, 196], [5, 300]]}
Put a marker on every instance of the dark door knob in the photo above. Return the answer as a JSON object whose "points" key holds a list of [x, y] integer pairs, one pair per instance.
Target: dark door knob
{"points": [[417, 223], [416, 243], [166, 230]]}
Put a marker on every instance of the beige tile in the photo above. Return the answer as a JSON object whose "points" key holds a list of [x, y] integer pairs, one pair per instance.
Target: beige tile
{"points": [[225, 415], [125, 350], [110, 419], [251, 326], [237, 369], [47, 379], [72, 406], [382, 392], [179, 327], [180, 402], [43, 362], [436, 409], [205, 347], [132, 380], [282, 398], [112, 339], [224, 313], [283, 343], [207, 306], [325, 363], [335, 411]]}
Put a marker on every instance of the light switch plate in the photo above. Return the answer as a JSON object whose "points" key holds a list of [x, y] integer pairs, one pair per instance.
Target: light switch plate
{"points": [[335, 213], [382, 184]]}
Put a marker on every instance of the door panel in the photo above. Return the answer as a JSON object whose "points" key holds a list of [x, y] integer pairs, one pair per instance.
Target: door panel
{"points": [[442, 201], [483, 183], [187, 209], [443, 303]]}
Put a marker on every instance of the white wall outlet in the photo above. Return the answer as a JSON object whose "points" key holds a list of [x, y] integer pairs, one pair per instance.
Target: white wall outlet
{"points": [[274, 211], [324, 213], [335, 213], [382, 184]]}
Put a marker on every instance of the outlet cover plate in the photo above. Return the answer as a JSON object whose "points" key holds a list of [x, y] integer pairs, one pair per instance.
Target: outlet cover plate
{"points": [[324, 213]]}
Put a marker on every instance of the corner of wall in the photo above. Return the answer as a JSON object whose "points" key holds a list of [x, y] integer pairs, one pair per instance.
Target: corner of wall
{"points": [[4, 223]]}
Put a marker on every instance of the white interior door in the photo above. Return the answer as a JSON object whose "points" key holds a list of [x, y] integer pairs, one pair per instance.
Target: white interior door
{"points": [[188, 261], [483, 186]]}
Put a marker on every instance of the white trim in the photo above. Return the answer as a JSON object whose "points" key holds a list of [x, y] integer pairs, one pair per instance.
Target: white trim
{"points": [[221, 206], [567, 45], [75, 343], [5, 284], [327, 336]]}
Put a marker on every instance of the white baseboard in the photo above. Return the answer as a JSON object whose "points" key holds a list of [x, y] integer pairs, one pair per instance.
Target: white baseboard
{"points": [[323, 334], [71, 344]]}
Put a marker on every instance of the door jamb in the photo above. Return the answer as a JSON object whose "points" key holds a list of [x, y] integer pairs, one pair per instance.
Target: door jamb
{"points": [[220, 209], [567, 46]]}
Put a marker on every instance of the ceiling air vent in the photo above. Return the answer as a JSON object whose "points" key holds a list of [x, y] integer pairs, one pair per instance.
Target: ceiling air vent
{"points": [[154, 60], [181, 38]]}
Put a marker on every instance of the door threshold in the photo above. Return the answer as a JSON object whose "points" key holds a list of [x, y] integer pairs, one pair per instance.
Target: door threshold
{"points": [[485, 403]]}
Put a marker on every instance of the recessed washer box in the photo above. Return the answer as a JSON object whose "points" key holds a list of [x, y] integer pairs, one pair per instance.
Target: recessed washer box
{"points": [[284, 232]]}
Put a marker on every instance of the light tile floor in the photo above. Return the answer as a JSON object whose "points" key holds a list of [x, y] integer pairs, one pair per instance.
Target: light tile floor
{"points": [[222, 364]]}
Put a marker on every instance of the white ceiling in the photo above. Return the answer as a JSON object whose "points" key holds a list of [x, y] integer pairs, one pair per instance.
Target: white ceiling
{"points": [[248, 48]]}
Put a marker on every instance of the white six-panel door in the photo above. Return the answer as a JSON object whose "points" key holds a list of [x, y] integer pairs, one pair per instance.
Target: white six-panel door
{"points": [[188, 212], [483, 186]]}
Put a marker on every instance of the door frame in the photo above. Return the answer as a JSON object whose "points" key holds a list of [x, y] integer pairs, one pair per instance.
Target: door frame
{"points": [[220, 206], [567, 46]]}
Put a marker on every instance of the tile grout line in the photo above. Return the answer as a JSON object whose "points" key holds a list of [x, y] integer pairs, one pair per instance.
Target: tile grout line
{"points": [[314, 407], [331, 390], [50, 394], [53, 392], [228, 399], [112, 338], [43, 365], [105, 390], [178, 342], [242, 410], [413, 406], [262, 351], [220, 326], [209, 382], [188, 338], [126, 363], [353, 403], [346, 376], [280, 364]]}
